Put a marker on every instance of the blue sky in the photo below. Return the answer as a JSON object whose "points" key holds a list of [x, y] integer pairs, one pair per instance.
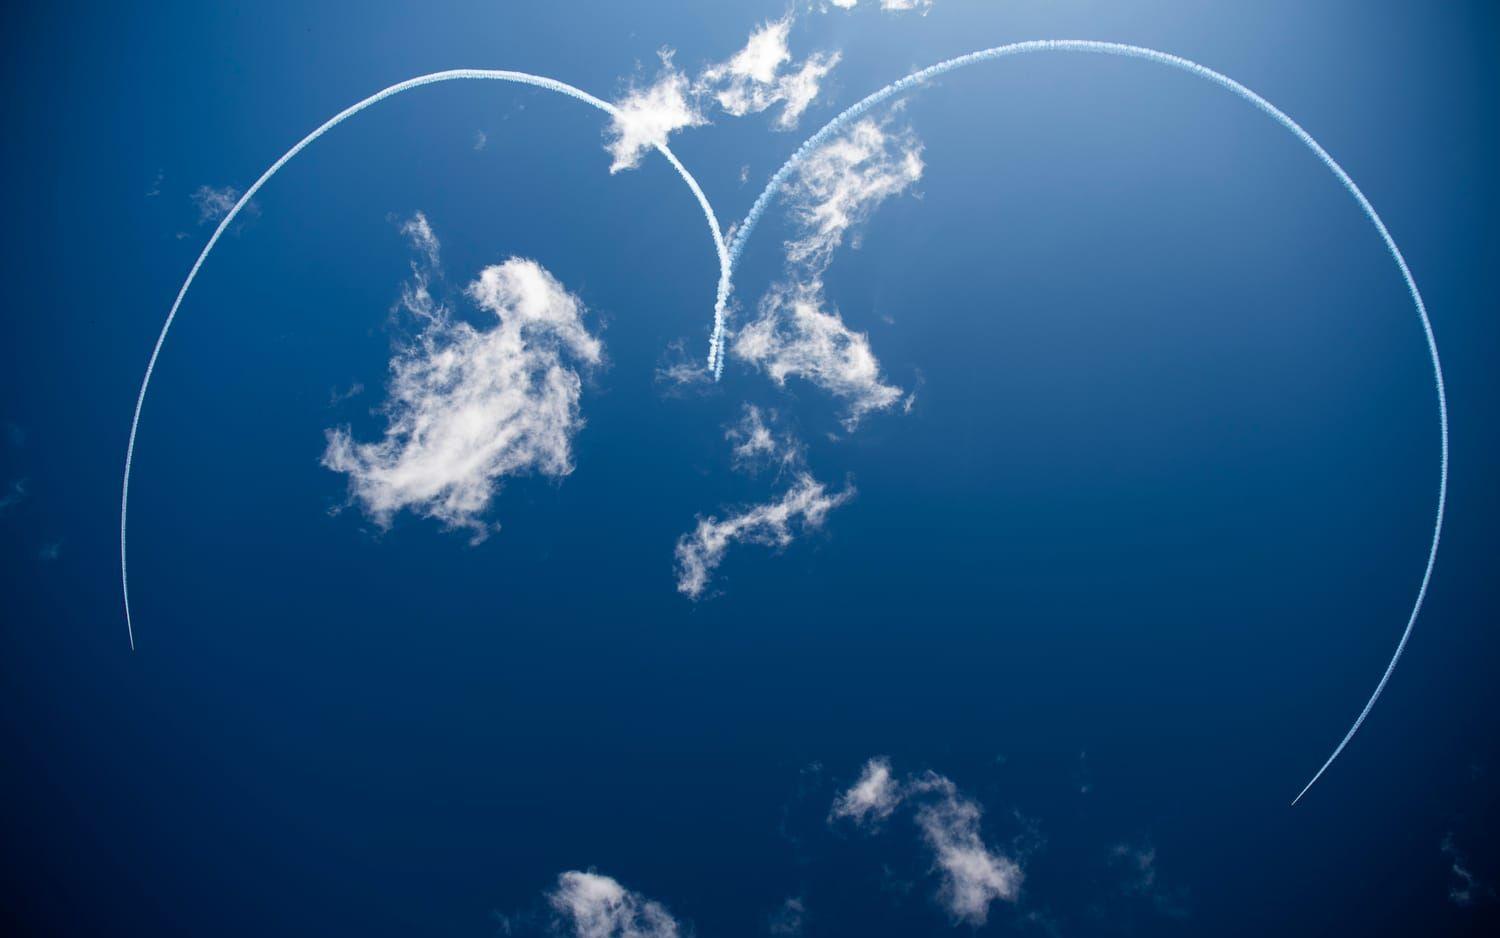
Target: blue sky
{"points": [[1063, 497]]}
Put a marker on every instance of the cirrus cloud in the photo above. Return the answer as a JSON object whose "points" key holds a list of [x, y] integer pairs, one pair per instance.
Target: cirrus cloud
{"points": [[776, 523]]}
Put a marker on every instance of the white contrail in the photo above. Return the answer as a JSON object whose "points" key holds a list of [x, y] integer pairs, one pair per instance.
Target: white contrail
{"points": [[449, 75], [716, 357]]}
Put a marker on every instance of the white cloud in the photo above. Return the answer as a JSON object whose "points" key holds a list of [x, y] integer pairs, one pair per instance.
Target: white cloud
{"points": [[872, 798], [795, 336], [214, 203], [757, 78], [753, 80], [468, 407], [50, 550], [597, 906], [648, 116], [755, 446], [973, 875], [836, 189], [481, 139], [801, 508], [898, 6], [418, 231], [841, 184]]}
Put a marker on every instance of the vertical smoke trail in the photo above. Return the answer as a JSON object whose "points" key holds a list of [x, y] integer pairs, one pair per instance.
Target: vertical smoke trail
{"points": [[762, 202], [449, 75]]}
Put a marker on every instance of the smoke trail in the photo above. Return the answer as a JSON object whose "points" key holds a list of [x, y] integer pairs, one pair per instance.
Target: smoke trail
{"points": [[433, 78], [736, 248]]}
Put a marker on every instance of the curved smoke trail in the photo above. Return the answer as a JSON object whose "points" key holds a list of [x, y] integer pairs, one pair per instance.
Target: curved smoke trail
{"points": [[456, 74], [762, 202]]}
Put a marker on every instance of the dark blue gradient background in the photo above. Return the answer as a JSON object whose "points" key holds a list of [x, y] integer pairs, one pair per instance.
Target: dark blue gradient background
{"points": [[1126, 572]]}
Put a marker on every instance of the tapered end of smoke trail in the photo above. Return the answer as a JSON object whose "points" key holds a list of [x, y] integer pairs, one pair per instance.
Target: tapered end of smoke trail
{"points": [[1308, 787]]}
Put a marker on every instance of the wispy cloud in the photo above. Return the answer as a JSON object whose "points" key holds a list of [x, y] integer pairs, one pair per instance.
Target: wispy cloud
{"points": [[336, 396], [469, 407], [759, 77], [796, 332], [1142, 878], [1467, 889], [648, 116], [755, 445], [213, 203], [591, 905], [840, 186], [681, 369], [776, 523], [481, 140], [795, 336], [896, 6], [787, 920], [762, 75], [872, 798], [50, 551], [14, 495], [972, 874]]}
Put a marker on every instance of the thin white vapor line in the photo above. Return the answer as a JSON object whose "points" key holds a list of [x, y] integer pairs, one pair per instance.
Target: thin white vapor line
{"points": [[450, 75], [779, 180]]}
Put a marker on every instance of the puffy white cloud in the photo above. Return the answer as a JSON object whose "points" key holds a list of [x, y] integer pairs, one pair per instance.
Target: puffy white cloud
{"points": [[973, 875], [794, 336], [752, 80], [755, 446], [597, 906], [468, 407], [648, 116], [777, 523], [872, 798]]}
